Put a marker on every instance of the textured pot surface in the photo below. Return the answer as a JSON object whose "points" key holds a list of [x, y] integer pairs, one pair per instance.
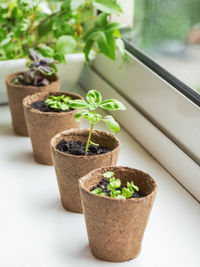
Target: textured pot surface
{"points": [[115, 227], [17, 92], [42, 126], [69, 168]]}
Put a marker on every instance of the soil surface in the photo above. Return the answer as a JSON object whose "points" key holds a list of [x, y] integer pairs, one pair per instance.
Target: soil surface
{"points": [[78, 148], [103, 185], [43, 107]]}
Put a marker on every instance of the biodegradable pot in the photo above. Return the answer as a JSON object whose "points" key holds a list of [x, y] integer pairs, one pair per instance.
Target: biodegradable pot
{"points": [[42, 126], [17, 92], [69, 168], [115, 227]]}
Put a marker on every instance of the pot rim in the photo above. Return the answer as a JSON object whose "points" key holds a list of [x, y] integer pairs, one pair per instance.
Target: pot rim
{"points": [[82, 187], [41, 94], [54, 142], [13, 74]]}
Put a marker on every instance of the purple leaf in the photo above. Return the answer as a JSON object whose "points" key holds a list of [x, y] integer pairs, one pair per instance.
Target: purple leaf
{"points": [[34, 55]]}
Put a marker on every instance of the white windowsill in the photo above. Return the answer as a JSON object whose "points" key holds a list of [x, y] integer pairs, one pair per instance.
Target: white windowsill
{"points": [[36, 231]]}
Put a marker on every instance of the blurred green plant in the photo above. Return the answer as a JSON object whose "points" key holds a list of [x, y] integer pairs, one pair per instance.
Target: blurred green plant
{"points": [[57, 27]]}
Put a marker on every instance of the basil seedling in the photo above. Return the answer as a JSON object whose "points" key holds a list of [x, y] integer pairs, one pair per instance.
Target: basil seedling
{"points": [[94, 101], [58, 102]]}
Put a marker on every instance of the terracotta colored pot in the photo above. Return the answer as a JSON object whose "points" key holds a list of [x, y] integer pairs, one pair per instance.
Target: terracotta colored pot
{"points": [[42, 126], [16, 94], [69, 168], [115, 227]]}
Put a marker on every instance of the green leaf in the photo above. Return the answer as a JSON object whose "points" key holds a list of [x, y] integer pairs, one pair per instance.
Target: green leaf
{"points": [[94, 97], [101, 20], [132, 187], [111, 124], [106, 43], [46, 51], [65, 44], [110, 187], [64, 106], [79, 114], [112, 104], [94, 118], [78, 103], [115, 193], [87, 49], [108, 6], [116, 183], [108, 174], [114, 26], [126, 192], [96, 191]]}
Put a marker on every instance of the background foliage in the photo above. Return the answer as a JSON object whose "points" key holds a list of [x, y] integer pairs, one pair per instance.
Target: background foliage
{"points": [[58, 27]]}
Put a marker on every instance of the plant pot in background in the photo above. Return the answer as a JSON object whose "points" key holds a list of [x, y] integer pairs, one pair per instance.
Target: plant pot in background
{"points": [[69, 168], [115, 227], [69, 73], [16, 94], [42, 126], [7, 67]]}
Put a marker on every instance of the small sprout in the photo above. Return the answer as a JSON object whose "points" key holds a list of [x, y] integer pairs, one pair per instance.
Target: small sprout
{"points": [[97, 191], [131, 185], [94, 101], [115, 193], [58, 102], [115, 183], [126, 192], [108, 174]]}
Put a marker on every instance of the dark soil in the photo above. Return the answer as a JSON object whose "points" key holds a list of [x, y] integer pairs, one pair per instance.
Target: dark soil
{"points": [[77, 148], [43, 107], [103, 185]]}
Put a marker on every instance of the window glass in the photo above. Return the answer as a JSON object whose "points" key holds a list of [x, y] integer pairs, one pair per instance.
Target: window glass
{"points": [[169, 32]]}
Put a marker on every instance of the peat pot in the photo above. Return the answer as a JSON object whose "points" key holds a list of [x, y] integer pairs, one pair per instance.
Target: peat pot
{"points": [[115, 227], [42, 126], [17, 92], [69, 168]]}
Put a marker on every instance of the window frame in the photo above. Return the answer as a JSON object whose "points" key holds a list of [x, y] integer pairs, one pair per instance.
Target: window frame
{"points": [[102, 74], [163, 73]]}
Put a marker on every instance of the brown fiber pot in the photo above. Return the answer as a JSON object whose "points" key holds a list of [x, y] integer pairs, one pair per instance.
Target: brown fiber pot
{"points": [[69, 168], [16, 94], [115, 227], [42, 126]]}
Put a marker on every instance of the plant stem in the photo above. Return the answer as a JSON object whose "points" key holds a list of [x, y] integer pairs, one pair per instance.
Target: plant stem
{"points": [[89, 137]]}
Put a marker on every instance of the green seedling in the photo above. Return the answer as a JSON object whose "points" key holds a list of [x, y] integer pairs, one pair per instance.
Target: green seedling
{"points": [[98, 191], [114, 186], [94, 101], [58, 102]]}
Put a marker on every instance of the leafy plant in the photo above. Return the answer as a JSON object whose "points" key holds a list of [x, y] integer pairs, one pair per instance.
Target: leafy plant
{"points": [[39, 69], [58, 102], [114, 186], [58, 27], [94, 101]]}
